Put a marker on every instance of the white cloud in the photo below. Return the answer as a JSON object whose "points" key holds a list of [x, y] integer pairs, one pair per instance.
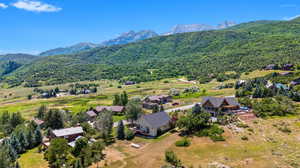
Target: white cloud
{"points": [[291, 18], [35, 6], [2, 5]]}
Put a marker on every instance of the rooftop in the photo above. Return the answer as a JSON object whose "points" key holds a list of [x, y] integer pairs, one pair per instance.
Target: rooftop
{"points": [[158, 119], [67, 131]]}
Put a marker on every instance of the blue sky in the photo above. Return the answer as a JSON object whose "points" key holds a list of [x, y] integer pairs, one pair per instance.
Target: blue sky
{"points": [[33, 26]]}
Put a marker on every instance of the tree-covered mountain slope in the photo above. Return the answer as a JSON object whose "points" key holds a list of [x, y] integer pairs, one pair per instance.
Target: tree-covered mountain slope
{"points": [[11, 62], [241, 48]]}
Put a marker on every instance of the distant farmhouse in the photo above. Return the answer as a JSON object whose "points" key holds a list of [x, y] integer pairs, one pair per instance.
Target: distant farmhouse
{"points": [[295, 82], [214, 105], [285, 67], [153, 124], [151, 101], [93, 113]]}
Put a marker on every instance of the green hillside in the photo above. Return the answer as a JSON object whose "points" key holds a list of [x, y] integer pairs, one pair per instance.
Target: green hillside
{"points": [[244, 47], [11, 62]]}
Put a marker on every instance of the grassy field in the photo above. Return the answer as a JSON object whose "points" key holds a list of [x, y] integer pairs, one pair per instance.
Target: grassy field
{"points": [[33, 159], [266, 147], [15, 99]]}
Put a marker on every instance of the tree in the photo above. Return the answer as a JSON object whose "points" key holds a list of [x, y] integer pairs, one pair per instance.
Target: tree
{"points": [[124, 98], [196, 109], [5, 162], [42, 112], [80, 144], [29, 97], [96, 149], [117, 100], [14, 142], [54, 119], [133, 111], [16, 119], [194, 121], [104, 124], [121, 130], [38, 136], [57, 153], [171, 158], [155, 108]]}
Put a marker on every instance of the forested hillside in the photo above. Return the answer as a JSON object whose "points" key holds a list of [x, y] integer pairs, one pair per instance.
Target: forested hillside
{"points": [[11, 62], [244, 47]]}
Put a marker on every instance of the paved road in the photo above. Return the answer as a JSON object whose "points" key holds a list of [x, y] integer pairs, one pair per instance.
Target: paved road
{"points": [[167, 111]]}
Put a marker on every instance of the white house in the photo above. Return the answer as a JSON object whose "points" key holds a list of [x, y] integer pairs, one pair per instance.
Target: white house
{"points": [[154, 124]]}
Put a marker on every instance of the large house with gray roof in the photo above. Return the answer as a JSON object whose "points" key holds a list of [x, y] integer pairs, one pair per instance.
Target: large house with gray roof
{"points": [[69, 134], [215, 105], [153, 124]]}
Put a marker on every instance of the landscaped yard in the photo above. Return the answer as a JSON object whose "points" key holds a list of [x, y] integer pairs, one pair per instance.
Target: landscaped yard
{"points": [[33, 159]]}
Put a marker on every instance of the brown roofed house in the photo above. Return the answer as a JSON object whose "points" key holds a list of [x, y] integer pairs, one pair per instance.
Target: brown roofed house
{"points": [[114, 109], [217, 104]]}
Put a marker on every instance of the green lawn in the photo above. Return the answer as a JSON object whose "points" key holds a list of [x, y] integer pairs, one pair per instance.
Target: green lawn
{"points": [[117, 118], [33, 159]]}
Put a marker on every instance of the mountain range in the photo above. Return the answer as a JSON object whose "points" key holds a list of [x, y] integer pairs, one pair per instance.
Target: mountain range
{"points": [[241, 48], [132, 36]]}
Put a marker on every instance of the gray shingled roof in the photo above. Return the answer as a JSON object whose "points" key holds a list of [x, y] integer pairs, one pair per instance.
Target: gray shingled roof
{"points": [[158, 119], [91, 113], [217, 101], [67, 131]]}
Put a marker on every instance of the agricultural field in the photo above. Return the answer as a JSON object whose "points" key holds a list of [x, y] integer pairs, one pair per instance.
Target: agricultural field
{"points": [[15, 99]]}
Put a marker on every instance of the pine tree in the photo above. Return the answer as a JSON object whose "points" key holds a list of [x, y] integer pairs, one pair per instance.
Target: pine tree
{"points": [[38, 136], [124, 98], [117, 100], [42, 112], [14, 142], [121, 130], [16, 119], [23, 142]]}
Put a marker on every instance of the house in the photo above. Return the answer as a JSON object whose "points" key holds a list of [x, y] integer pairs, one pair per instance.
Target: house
{"points": [[270, 67], [69, 134], [295, 82], [39, 122], [285, 73], [153, 124], [129, 83], [91, 115], [159, 99], [220, 104], [114, 109], [149, 105], [288, 67]]}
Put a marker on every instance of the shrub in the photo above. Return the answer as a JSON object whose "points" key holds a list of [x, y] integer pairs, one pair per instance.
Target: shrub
{"points": [[285, 129], [214, 133], [166, 81], [129, 134], [183, 143], [250, 130], [244, 138], [242, 125], [119, 86]]}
